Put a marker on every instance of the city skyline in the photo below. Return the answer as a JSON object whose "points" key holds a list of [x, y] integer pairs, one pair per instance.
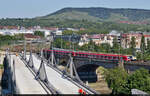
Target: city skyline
{"points": [[34, 8]]}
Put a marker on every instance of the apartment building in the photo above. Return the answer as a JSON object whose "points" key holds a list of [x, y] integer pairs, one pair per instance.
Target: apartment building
{"points": [[126, 39], [97, 39]]}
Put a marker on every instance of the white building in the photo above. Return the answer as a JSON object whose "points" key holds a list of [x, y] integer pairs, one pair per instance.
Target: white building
{"points": [[14, 31]]}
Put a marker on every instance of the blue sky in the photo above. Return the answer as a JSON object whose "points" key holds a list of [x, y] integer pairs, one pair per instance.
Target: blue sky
{"points": [[33, 8]]}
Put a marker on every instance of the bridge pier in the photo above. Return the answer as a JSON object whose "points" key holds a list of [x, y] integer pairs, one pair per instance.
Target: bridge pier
{"points": [[41, 74], [25, 49], [72, 69], [8, 77]]}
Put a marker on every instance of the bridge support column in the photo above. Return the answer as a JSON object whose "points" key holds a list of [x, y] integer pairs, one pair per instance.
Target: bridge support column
{"points": [[41, 53], [72, 69], [7, 77], [30, 62], [41, 74], [14, 79], [52, 60], [25, 49]]}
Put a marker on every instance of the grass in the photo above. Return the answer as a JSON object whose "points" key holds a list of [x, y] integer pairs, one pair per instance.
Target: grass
{"points": [[1, 66]]}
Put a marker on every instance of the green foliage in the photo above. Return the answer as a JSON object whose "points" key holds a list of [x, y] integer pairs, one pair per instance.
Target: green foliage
{"points": [[140, 79], [132, 45], [61, 43], [39, 33], [92, 27], [7, 39], [105, 47], [144, 55], [68, 32], [143, 46], [115, 46], [88, 47], [122, 83], [148, 46], [101, 13], [116, 79], [1, 66]]}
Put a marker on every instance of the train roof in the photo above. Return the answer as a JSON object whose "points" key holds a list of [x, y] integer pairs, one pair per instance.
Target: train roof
{"points": [[85, 52]]}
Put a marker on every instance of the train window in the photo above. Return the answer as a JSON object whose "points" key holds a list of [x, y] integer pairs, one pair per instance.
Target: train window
{"points": [[109, 57], [83, 55], [56, 52], [93, 56], [97, 56], [80, 55], [114, 57], [77, 54], [86, 55], [117, 58], [102, 57]]}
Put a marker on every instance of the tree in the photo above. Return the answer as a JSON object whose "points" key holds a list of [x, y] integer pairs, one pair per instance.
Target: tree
{"points": [[65, 44], [142, 46], [140, 79], [91, 45], [115, 47], [85, 47], [132, 45], [148, 46], [122, 83], [39, 33], [116, 79], [57, 43], [105, 47], [68, 32]]}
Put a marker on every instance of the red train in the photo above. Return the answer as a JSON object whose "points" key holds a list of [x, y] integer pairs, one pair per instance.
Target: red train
{"points": [[89, 55]]}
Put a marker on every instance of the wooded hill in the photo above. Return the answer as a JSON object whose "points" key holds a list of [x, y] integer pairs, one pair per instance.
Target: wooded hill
{"points": [[100, 14]]}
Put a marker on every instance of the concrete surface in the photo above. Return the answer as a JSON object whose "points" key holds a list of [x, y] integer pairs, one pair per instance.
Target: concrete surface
{"points": [[25, 80], [58, 81]]}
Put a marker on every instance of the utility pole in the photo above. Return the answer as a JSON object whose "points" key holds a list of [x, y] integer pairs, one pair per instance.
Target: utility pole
{"points": [[25, 49], [61, 41], [70, 42]]}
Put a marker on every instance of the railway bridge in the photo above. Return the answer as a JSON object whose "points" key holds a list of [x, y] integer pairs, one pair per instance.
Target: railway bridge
{"points": [[86, 66]]}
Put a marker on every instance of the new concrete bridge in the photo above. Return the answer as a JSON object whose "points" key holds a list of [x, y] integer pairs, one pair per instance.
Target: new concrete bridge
{"points": [[30, 74]]}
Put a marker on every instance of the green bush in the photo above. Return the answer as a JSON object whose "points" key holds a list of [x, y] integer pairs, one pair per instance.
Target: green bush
{"points": [[122, 83], [1, 66]]}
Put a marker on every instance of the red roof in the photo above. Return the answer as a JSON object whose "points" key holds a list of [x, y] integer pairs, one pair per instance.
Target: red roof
{"points": [[131, 34], [31, 36], [146, 35]]}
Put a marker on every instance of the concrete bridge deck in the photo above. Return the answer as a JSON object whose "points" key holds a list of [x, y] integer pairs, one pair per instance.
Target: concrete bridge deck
{"points": [[61, 83], [25, 80]]}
